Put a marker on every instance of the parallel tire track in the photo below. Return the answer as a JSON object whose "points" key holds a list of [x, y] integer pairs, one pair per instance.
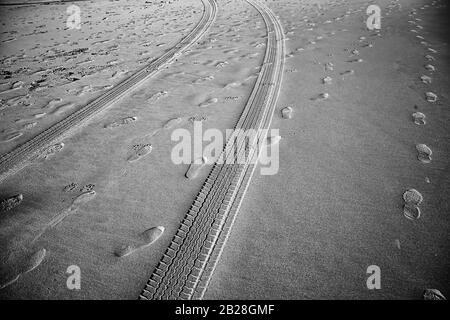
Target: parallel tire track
{"points": [[19, 158], [187, 265]]}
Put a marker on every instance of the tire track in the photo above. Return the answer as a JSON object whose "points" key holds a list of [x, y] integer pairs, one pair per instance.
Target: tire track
{"points": [[19, 158], [187, 265]]}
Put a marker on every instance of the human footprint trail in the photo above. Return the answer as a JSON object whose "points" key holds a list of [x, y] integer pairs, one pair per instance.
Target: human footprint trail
{"points": [[19, 158]]}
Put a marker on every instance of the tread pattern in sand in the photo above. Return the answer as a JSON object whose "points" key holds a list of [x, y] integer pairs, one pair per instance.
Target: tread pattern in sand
{"points": [[187, 265]]}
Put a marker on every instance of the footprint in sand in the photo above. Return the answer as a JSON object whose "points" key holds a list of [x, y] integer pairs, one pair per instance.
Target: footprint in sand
{"points": [[322, 96], [429, 57], [70, 187], [195, 167], [347, 73], [63, 108], [82, 199], [425, 79], [81, 90], [168, 125], [31, 263], [9, 280], [287, 112], [15, 86], [419, 118], [19, 100], [208, 102], [327, 80], [147, 238], [28, 126], [156, 96], [232, 85], [397, 244], [430, 67], [204, 79], [51, 150], [87, 188], [412, 196], [172, 123], [196, 118], [329, 66], [273, 140], [118, 74], [355, 60], [433, 294], [39, 115], [11, 202], [411, 211], [431, 97], [76, 203], [423, 153], [10, 136], [102, 88], [412, 199], [221, 64], [140, 152], [34, 261], [121, 122]]}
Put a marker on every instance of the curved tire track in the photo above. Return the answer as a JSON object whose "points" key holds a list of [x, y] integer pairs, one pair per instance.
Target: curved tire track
{"points": [[187, 265], [19, 158]]}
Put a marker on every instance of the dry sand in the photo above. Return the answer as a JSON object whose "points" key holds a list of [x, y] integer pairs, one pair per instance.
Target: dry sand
{"points": [[335, 207], [347, 153]]}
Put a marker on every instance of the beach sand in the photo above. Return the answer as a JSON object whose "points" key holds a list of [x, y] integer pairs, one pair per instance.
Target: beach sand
{"points": [[335, 206], [310, 231]]}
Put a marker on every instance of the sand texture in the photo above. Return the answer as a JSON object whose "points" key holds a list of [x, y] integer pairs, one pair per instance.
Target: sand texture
{"points": [[88, 125]]}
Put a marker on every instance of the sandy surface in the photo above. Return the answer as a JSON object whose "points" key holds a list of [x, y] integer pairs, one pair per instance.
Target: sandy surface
{"points": [[309, 232], [62, 68], [335, 207]]}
